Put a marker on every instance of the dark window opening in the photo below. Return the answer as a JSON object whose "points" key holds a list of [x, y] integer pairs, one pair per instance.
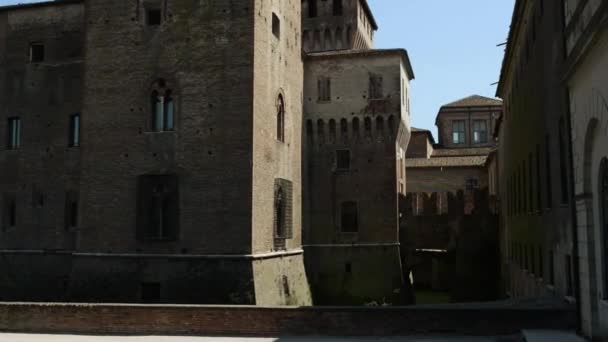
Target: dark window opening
{"points": [[348, 268], [324, 89], [150, 293], [14, 133], [337, 7], [36, 53], [286, 289], [71, 210], [276, 26], [158, 207], [375, 87], [153, 17], [349, 215], [312, 8], [74, 130], [472, 184], [281, 119], [343, 159]]}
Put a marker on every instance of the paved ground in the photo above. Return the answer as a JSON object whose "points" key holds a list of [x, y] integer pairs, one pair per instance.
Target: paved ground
{"points": [[72, 338]]}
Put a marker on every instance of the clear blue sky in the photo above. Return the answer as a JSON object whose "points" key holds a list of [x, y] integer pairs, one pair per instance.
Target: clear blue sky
{"points": [[452, 45]]}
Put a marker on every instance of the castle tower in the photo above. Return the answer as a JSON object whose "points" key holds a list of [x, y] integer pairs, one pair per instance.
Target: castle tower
{"points": [[191, 160], [356, 109], [337, 25]]}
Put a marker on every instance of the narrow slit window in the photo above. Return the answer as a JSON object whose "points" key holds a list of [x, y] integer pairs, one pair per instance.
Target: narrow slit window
{"points": [[276, 26], [74, 130], [280, 119], [14, 133]]}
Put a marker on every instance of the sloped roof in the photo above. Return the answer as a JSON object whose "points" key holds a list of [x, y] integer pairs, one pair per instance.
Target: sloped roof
{"points": [[424, 131], [474, 101]]}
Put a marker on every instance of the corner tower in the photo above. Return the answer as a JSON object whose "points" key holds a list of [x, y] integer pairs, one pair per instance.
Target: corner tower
{"points": [[337, 25], [191, 153]]}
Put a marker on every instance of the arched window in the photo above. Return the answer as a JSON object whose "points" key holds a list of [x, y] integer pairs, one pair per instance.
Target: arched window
{"points": [[604, 217], [163, 108], [280, 119]]}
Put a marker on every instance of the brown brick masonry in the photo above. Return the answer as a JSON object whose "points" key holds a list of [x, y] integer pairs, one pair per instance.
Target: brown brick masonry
{"points": [[263, 321]]}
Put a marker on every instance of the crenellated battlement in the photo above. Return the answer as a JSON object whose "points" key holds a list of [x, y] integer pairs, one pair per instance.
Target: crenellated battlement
{"points": [[360, 130]]}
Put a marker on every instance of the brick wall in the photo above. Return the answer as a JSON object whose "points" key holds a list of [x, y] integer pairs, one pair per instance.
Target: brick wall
{"points": [[259, 321]]}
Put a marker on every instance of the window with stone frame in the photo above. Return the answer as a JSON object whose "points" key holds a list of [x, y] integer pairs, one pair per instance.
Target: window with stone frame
{"points": [[480, 131], [283, 211], [324, 89], [162, 106], [349, 217], [375, 87], [458, 132], [157, 207], [14, 133], [9, 212], [604, 218]]}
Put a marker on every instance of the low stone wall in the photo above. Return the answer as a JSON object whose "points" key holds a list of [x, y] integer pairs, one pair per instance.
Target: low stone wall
{"points": [[263, 321]]}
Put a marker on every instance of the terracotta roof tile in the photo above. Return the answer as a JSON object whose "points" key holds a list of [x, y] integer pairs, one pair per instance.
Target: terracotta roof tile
{"points": [[473, 101]]}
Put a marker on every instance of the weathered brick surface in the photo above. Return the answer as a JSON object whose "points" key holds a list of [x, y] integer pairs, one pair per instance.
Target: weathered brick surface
{"points": [[259, 321], [102, 59], [376, 132]]}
